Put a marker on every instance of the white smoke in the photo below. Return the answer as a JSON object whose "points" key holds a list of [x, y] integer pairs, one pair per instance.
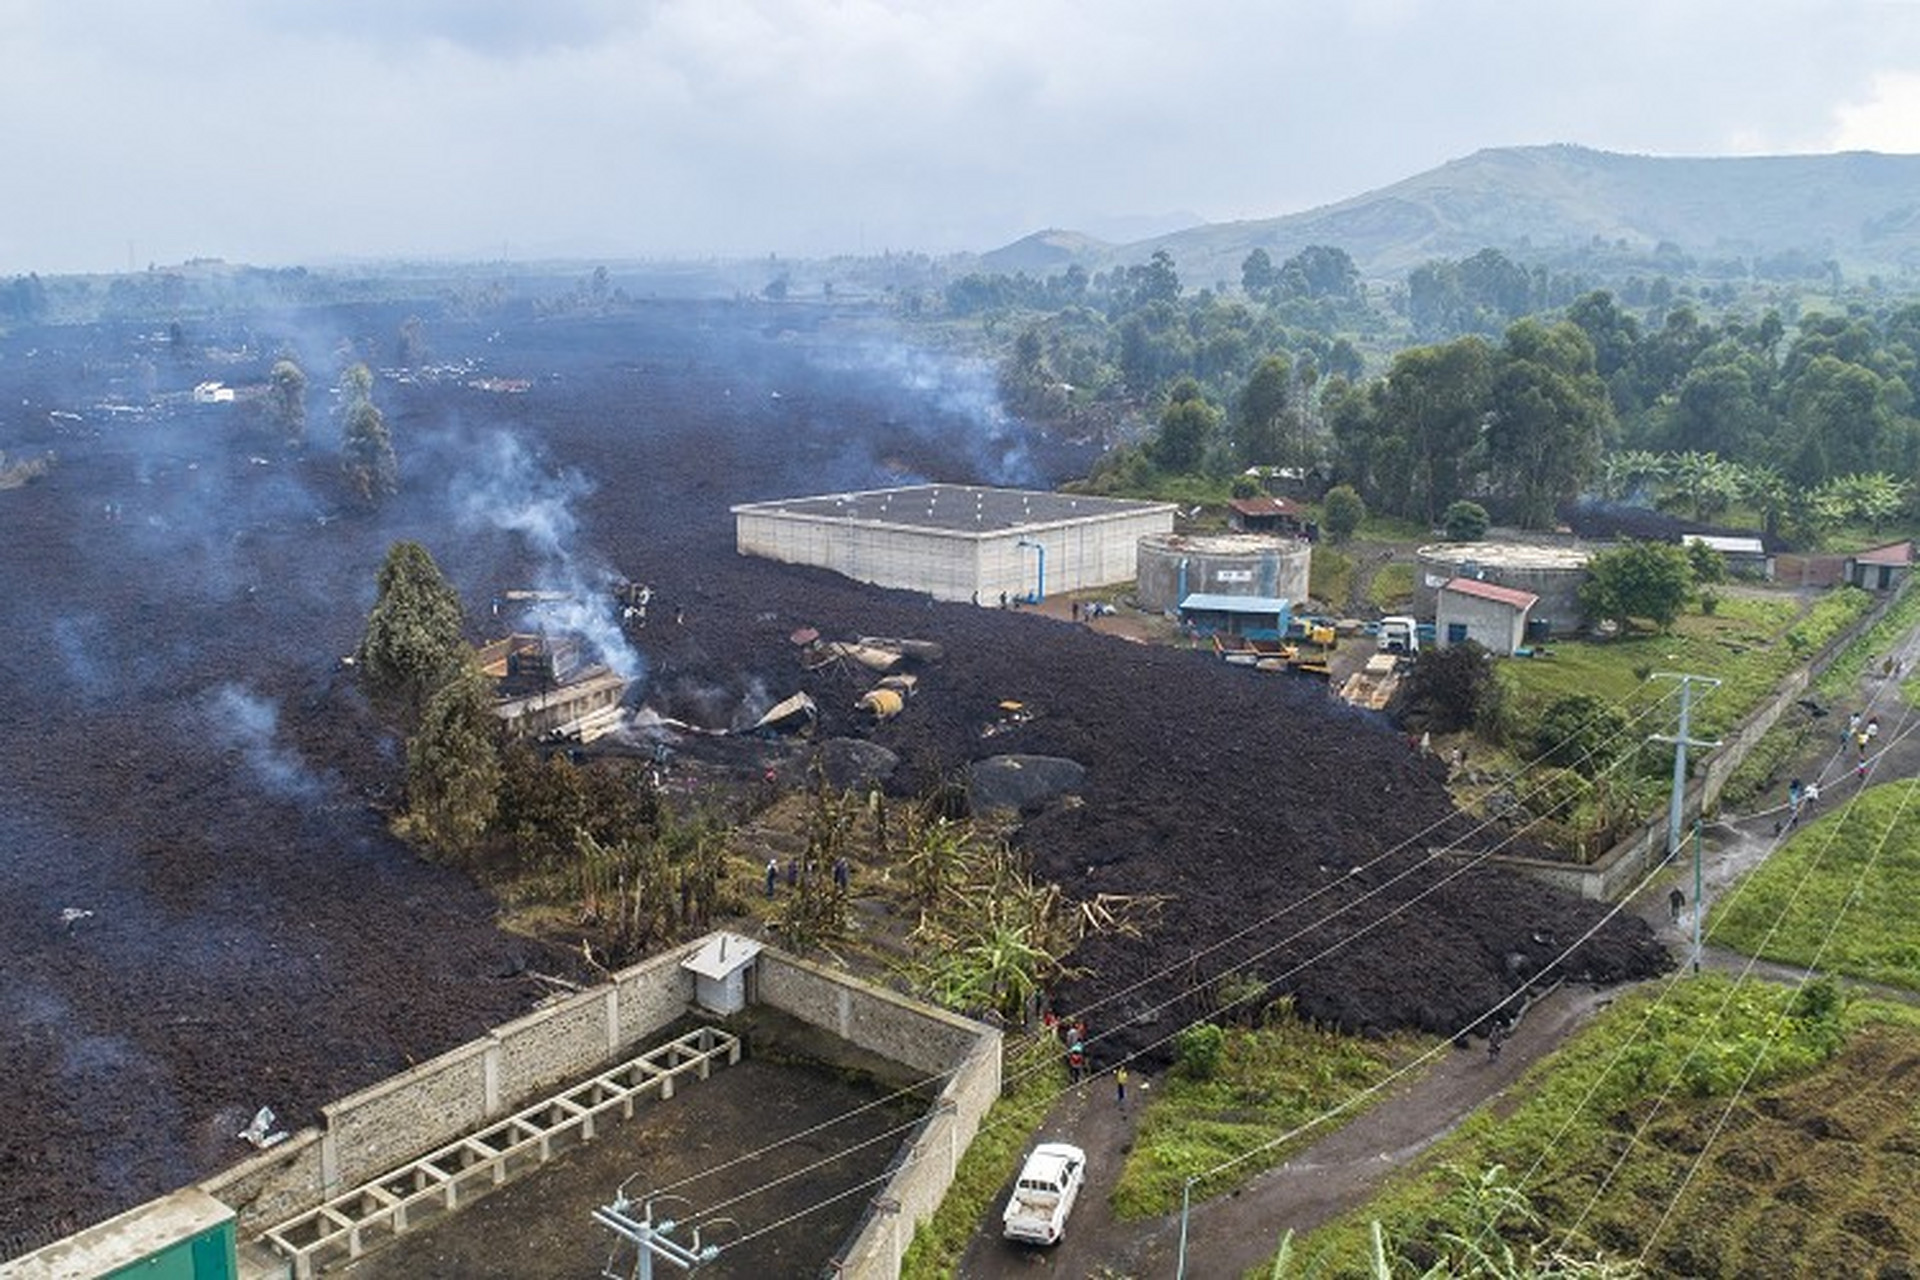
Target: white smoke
{"points": [[250, 724], [502, 486]]}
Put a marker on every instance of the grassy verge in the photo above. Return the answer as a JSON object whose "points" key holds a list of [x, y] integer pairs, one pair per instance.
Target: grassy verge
{"points": [[1787, 740], [1037, 1074], [1330, 577], [1809, 1165], [1854, 873], [1268, 1080], [1392, 588]]}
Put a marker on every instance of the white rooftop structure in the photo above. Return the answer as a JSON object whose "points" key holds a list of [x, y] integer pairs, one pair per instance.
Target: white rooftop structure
{"points": [[719, 970]]}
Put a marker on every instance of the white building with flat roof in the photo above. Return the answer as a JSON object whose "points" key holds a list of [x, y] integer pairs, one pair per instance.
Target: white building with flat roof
{"points": [[957, 542]]}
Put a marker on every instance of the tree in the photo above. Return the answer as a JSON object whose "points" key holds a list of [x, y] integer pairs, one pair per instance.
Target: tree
{"points": [[1638, 580], [1453, 688], [366, 449], [287, 401], [1436, 403], [1265, 415], [1465, 521], [1342, 512], [1187, 425], [1257, 274], [1581, 731], [1549, 411], [413, 641], [453, 764], [410, 346]]}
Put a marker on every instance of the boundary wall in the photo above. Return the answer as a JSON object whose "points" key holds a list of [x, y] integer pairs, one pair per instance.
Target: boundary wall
{"points": [[1622, 866], [408, 1115], [916, 1035]]}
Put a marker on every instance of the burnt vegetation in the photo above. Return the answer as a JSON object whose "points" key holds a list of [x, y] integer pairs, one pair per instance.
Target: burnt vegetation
{"points": [[187, 756]]}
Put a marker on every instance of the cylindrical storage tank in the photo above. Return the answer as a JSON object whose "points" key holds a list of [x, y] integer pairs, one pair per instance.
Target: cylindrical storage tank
{"points": [[1173, 566], [1554, 573]]}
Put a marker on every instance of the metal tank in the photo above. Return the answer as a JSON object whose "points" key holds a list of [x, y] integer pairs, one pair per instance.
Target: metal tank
{"points": [[1552, 572]]}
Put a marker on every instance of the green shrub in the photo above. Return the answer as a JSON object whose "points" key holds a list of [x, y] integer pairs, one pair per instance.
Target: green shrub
{"points": [[1198, 1049]]}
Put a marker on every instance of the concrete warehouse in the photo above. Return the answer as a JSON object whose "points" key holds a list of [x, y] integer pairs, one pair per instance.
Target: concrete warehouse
{"points": [[957, 542]]}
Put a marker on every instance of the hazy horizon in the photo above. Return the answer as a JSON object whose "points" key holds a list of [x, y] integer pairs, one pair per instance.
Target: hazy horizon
{"points": [[275, 133]]}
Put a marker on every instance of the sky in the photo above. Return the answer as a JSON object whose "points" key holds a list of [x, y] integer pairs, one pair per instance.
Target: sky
{"points": [[281, 132]]}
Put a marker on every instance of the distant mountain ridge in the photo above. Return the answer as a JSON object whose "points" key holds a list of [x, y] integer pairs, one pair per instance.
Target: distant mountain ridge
{"points": [[1859, 208]]}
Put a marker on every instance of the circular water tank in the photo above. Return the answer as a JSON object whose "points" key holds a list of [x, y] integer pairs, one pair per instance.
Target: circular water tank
{"points": [[1554, 573], [1172, 566]]}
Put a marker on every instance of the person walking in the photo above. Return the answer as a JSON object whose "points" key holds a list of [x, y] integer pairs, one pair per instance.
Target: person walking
{"points": [[1496, 1036], [1811, 794], [1120, 1085], [1675, 901], [773, 874]]}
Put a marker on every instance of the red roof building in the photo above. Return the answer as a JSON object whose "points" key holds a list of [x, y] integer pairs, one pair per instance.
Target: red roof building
{"points": [[1483, 612]]}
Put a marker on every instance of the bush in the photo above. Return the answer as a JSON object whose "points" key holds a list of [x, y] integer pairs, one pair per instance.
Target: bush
{"points": [[1342, 512], [1198, 1050], [1580, 731], [1465, 521]]}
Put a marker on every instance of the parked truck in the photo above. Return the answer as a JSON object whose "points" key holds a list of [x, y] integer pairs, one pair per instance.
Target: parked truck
{"points": [[1400, 634], [1044, 1193]]}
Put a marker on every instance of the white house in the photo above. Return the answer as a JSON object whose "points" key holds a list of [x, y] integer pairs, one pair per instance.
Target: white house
{"points": [[1489, 615]]}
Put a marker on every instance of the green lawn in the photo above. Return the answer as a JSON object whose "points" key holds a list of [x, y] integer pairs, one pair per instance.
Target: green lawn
{"points": [[1269, 1080], [1749, 644], [1811, 1161], [1854, 872]]}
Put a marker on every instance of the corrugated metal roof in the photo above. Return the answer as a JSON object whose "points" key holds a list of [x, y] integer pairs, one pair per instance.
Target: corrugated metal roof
{"points": [[1897, 553], [1209, 603], [1513, 596], [1264, 507]]}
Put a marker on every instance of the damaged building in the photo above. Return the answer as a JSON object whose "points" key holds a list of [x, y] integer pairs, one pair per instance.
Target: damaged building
{"points": [[544, 687]]}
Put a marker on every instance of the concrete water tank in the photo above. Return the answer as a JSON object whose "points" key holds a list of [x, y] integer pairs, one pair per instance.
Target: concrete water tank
{"points": [[1552, 572], [1173, 566]]}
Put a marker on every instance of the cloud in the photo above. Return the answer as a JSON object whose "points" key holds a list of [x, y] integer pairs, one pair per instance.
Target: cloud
{"points": [[1888, 119], [282, 130]]}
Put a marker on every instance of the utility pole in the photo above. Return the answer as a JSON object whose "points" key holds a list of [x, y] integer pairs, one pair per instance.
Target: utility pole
{"points": [[1676, 802], [651, 1239]]}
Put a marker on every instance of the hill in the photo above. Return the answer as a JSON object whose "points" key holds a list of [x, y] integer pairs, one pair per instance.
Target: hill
{"points": [[1571, 204]]}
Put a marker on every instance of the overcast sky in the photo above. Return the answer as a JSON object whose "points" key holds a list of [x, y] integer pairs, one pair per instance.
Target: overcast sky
{"points": [[287, 131]]}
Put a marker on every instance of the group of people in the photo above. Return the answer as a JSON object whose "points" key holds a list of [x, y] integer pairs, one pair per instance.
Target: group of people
{"points": [[1072, 1033], [842, 874]]}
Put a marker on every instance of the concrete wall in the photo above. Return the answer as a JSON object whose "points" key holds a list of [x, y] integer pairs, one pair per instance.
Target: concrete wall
{"points": [[941, 564], [1093, 551], [1624, 865], [1235, 566], [924, 1038], [1500, 627], [1557, 587], [407, 1115]]}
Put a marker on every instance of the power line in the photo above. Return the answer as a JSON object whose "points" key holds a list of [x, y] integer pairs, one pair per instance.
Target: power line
{"points": [[1188, 961]]}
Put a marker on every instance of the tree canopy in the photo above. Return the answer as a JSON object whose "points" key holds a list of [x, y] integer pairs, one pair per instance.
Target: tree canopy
{"points": [[366, 448], [1638, 580], [413, 640]]}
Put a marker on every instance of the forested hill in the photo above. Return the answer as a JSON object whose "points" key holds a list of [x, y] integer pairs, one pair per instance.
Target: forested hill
{"points": [[1577, 207]]}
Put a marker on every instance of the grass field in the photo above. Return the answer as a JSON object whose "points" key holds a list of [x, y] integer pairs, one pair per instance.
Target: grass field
{"points": [[1843, 892], [1748, 643], [1269, 1080], [1725, 1130]]}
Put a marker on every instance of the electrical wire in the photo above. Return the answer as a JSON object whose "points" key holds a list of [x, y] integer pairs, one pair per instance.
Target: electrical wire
{"points": [[1301, 966], [1187, 962]]}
